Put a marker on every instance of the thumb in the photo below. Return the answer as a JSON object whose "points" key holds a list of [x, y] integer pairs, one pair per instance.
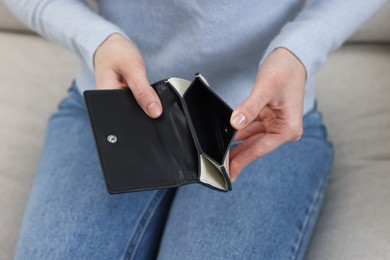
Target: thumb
{"points": [[248, 110], [145, 95]]}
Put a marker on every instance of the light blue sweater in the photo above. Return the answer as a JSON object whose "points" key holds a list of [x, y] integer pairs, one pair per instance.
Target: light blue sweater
{"points": [[225, 40]]}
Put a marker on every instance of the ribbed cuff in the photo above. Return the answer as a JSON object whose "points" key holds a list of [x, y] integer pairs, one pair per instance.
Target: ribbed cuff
{"points": [[89, 44], [303, 41]]}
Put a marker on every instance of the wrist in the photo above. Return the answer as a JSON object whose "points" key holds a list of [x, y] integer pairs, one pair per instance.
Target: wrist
{"points": [[111, 39], [294, 60]]}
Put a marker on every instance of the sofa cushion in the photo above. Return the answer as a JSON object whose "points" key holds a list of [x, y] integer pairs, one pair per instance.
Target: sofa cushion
{"points": [[34, 76], [353, 94], [376, 29], [8, 20]]}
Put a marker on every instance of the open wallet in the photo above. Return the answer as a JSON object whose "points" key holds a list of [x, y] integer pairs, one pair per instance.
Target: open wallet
{"points": [[188, 143]]}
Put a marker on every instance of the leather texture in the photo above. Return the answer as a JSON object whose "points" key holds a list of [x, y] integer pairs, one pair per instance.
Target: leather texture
{"points": [[165, 152]]}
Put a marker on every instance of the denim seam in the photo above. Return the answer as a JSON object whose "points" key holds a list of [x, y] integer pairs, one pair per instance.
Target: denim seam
{"points": [[313, 205], [143, 223]]}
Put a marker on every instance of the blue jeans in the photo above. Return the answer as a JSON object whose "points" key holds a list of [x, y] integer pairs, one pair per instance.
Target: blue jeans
{"points": [[270, 214]]}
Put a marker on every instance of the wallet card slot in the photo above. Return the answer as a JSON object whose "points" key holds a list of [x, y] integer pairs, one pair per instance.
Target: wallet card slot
{"points": [[210, 117]]}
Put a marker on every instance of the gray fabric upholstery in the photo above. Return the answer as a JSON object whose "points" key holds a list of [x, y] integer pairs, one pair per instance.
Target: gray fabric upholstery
{"points": [[8, 21], [34, 76], [377, 29], [353, 92]]}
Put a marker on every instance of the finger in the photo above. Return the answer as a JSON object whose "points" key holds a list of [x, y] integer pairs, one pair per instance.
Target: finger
{"points": [[147, 98], [253, 148], [242, 146], [248, 110], [109, 80], [252, 128]]}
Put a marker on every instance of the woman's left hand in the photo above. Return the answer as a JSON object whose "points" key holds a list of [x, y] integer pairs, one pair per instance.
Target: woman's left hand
{"points": [[272, 114]]}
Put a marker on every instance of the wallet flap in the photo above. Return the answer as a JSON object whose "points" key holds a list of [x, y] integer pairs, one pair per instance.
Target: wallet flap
{"points": [[137, 152]]}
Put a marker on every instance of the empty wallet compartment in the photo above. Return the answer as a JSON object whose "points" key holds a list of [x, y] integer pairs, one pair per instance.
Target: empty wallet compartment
{"points": [[210, 118]]}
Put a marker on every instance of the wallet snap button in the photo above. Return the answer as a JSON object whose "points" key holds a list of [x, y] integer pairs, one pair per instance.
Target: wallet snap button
{"points": [[112, 139]]}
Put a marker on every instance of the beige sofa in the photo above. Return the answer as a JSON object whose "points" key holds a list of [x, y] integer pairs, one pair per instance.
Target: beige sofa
{"points": [[353, 93]]}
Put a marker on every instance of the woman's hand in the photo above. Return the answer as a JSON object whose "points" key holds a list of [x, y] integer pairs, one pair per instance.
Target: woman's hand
{"points": [[119, 64], [272, 114]]}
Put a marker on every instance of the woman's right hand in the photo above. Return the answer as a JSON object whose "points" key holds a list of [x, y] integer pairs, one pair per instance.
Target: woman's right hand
{"points": [[118, 64]]}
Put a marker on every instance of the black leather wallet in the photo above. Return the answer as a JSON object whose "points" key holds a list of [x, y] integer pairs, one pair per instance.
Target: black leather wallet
{"points": [[188, 143]]}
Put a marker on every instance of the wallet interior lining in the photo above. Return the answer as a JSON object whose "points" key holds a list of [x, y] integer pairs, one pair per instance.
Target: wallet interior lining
{"points": [[181, 85], [211, 174]]}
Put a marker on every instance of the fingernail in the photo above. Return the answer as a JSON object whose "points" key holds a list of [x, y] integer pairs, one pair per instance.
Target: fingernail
{"points": [[233, 179], [239, 120], [154, 110]]}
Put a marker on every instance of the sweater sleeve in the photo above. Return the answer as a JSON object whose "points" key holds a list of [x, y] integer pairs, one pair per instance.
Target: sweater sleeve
{"points": [[321, 27], [70, 23]]}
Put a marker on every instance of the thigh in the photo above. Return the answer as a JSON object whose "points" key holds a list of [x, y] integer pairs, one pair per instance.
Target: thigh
{"points": [[70, 215], [269, 214]]}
